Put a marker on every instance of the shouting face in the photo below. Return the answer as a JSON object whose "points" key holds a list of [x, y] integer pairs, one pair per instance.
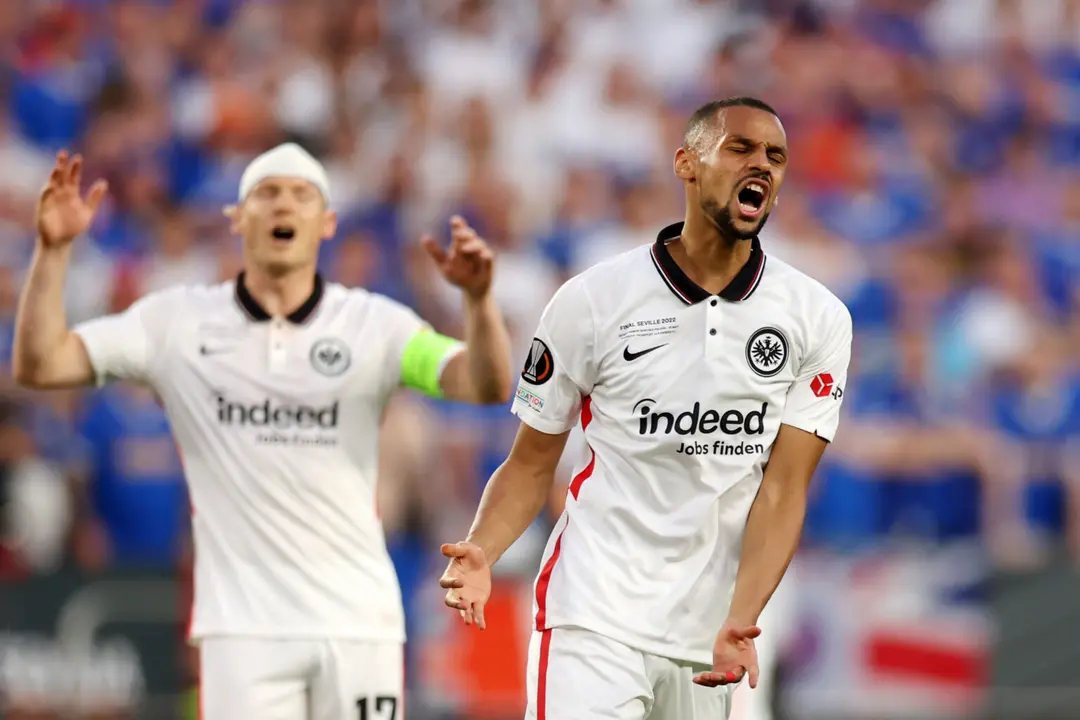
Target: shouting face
{"points": [[733, 166]]}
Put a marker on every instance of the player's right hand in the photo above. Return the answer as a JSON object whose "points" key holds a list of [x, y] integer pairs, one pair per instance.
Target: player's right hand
{"points": [[62, 212], [467, 581]]}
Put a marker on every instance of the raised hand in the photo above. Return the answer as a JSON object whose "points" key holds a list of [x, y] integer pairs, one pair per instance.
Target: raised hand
{"points": [[467, 581], [63, 213], [734, 656], [469, 263]]}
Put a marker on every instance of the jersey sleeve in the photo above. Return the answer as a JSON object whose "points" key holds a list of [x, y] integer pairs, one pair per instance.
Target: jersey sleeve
{"points": [[125, 346], [416, 354], [560, 365], [814, 399]]}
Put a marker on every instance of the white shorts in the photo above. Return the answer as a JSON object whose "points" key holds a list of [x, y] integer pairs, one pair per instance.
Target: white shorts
{"points": [[576, 674], [256, 679]]}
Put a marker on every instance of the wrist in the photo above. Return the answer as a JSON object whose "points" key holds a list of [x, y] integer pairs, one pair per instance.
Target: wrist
{"points": [[741, 618], [477, 300], [489, 552], [52, 249]]}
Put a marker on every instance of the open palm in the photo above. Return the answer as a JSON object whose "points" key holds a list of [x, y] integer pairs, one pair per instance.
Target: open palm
{"points": [[62, 212], [467, 581], [734, 657]]}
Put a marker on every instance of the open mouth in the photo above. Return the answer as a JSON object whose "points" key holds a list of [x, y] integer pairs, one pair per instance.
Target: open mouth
{"points": [[283, 232], [752, 198]]}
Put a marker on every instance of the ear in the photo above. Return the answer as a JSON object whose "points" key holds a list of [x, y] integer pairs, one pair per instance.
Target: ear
{"points": [[233, 213], [684, 165], [330, 224]]}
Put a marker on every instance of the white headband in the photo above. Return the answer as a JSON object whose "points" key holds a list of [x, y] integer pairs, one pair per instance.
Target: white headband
{"points": [[288, 160]]}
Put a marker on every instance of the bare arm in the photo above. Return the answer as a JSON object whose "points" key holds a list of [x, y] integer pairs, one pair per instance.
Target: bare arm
{"points": [[482, 373], [775, 522], [46, 353], [516, 492]]}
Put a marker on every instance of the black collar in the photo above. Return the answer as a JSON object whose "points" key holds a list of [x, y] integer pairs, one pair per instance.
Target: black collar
{"points": [[741, 286], [256, 312]]}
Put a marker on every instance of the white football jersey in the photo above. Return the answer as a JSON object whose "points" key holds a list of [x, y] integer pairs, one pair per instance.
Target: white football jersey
{"points": [[680, 394], [277, 423]]}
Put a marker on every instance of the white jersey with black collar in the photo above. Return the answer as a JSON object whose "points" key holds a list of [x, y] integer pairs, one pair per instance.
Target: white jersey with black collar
{"points": [[680, 394], [277, 422]]}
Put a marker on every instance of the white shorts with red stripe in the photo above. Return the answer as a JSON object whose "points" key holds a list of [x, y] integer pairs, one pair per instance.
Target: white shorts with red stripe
{"points": [[264, 679], [576, 674]]}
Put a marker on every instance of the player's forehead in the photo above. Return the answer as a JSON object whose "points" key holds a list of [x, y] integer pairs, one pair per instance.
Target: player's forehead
{"points": [[280, 183], [754, 125]]}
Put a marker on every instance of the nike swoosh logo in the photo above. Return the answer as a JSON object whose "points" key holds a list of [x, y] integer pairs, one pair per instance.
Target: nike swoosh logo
{"points": [[629, 356]]}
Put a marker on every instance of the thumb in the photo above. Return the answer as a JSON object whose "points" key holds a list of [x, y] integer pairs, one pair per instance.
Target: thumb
{"points": [[96, 195], [453, 550], [433, 249], [746, 633]]}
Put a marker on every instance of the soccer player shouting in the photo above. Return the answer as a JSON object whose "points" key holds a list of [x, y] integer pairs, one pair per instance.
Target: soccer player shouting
{"points": [[708, 379], [274, 385]]}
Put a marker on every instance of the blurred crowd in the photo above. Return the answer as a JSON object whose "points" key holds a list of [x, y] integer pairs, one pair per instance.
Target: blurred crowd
{"points": [[934, 186]]}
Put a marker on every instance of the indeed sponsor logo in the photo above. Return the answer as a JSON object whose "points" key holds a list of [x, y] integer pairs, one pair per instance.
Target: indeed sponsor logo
{"points": [[698, 421], [274, 420]]}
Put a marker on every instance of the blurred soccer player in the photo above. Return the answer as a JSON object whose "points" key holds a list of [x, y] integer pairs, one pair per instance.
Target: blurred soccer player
{"points": [[708, 380], [274, 384]]}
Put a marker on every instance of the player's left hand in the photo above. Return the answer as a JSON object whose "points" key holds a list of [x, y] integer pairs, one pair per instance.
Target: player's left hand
{"points": [[734, 657], [469, 263]]}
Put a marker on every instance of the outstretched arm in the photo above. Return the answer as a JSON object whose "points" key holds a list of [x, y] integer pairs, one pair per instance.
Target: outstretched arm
{"points": [[481, 373], [559, 372], [769, 542], [516, 492], [46, 353], [775, 522], [514, 496]]}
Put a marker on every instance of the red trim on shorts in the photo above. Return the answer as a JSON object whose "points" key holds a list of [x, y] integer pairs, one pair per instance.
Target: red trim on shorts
{"points": [[541, 675]]}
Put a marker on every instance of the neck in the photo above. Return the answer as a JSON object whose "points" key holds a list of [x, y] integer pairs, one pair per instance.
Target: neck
{"points": [[282, 294], [709, 258]]}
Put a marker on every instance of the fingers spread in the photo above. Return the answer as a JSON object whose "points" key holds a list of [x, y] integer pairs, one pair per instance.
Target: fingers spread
{"points": [[96, 194], [712, 678], [61, 166], [707, 679], [451, 582], [474, 246], [75, 172], [437, 253], [453, 550]]}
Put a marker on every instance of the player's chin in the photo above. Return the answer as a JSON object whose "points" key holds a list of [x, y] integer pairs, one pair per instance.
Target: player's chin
{"points": [[278, 263], [747, 226]]}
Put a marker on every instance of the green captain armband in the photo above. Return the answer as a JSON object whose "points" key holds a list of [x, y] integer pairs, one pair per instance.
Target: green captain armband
{"points": [[423, 360]]}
